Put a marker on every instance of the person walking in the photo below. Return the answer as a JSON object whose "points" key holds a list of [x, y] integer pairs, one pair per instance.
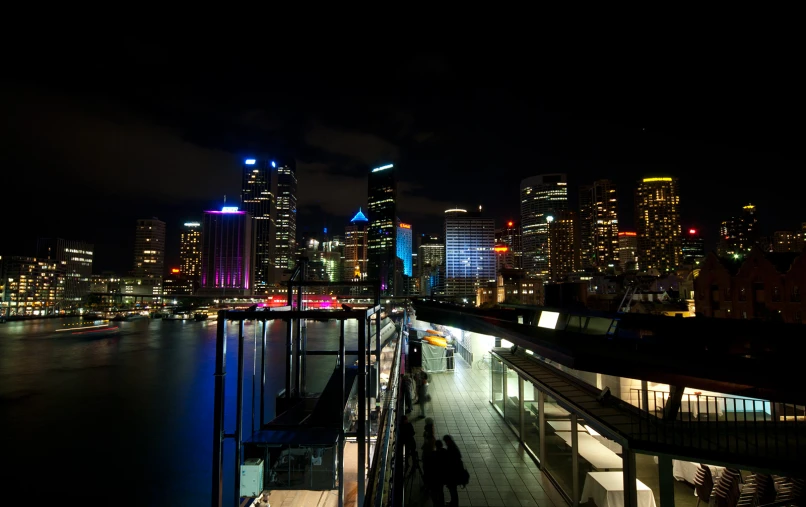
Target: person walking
{"points": [[408, 388], [409, 444], [438, 474], [429, 444], [422, 392], [453, 467]]}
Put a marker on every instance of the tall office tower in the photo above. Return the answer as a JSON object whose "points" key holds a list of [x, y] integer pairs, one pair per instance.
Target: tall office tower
{"points": [[75, 258], [356, 248], [431, 261], [800, 244], [563, 248], [598, 224], [190, 252], [738, 234], [469, 252], [149, 251], [540, 197], [693, 246], [226, 253], [286, 220], [382, 204], [510, 235], [404, 247], [258, 200], [657, 215], [628, 250], [332, 256]]}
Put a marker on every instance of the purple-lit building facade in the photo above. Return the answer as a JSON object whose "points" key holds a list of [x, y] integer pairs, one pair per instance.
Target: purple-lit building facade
{"points": [[227, 263]]}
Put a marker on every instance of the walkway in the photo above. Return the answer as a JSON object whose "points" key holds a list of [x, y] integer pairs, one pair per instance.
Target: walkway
{"points": [[501, 473]]}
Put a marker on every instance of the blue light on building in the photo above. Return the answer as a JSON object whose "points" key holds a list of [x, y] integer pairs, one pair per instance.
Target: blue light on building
{"points": [[404, 247]]}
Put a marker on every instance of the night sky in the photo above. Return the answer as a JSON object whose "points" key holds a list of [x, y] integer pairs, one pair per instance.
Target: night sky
{"points": [[94, 139]]}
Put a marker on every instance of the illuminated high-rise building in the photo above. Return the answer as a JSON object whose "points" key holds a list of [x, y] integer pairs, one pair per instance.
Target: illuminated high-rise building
{"points": [[598, 224], [404, 247], [469, 252], [510, 235], [258, 200], [355, 248], [190, 252], [285, 176], [149, 252], [628, 250], [75, 259], [563, 248], [692, 246], [657, 216], [227, 262], [382, 208], [541, 196], [738, 234]]}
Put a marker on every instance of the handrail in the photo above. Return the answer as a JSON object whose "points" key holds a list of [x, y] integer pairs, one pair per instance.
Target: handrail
{"points": [[377, 480]]}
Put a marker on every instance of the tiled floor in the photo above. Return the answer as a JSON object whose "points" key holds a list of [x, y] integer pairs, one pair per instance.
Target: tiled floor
{"points": [[501, 473]]}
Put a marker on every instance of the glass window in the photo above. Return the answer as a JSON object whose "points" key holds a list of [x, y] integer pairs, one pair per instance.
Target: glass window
{"points": [[497, 378], [531, 430], [558, 445], [512, 407]]}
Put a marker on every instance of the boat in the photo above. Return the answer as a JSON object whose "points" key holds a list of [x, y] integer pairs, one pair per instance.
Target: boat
{"points": [[199, 316], [89, 330], [90, 316]]}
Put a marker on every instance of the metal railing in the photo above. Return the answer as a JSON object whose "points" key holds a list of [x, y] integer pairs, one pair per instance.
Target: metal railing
{"points": [[770, 431], [384, 470], [463, 351]]}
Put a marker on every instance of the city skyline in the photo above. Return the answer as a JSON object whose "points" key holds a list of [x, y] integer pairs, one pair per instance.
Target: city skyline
{"points": [[177, 148]]}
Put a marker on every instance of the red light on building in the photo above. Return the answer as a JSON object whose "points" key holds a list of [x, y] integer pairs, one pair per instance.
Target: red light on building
{"points": [[501, 248], [509, 224], [692, 231], [627, 234], [174, 271]]}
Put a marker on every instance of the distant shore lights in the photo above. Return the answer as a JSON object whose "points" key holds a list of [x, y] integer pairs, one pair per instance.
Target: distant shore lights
{"points": [[381, 168]]}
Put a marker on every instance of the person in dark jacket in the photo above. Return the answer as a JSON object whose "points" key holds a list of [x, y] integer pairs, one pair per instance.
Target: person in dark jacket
{"points": [[453, 467], [437, 480], [409, 444]]}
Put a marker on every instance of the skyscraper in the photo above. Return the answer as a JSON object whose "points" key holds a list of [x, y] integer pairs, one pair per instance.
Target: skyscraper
{"points": [[356, 248], [190, 252], [563, 248], [75, 259], [286, 193], [149, 252], [382, 207], [258, 200], [598, 221], [404, 247], [692, 246], [469, 252], [628, 250], [510, 235], [657, 216], [738, 234], [227, 263], [540, 197]]}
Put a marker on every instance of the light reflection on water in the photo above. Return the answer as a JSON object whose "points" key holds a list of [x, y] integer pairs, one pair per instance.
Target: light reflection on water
{"points": [[92, 418]]}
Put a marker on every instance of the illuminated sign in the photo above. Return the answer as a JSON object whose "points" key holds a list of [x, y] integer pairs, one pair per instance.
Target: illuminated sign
{"points": [[455, 210], [501, 248], [509, 224], [381, 168], [650, 180], [174, 270], [192, 224], [692, 231], [405, 226], [626, 234], [229, 209], [249, 161]]}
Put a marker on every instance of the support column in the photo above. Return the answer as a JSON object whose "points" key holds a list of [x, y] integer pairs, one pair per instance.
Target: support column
{"points": [[672, 407], [289, 356], [645, 395], [239, 418], [522, 417], [666, 481], [341, 465], [300, 381], [218, 409], [263, 377], [362, 408], [630, 489], [574, 461]]}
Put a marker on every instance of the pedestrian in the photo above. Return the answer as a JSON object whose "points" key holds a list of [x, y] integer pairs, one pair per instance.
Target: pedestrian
{"points": [[422, 392], [453, 467], [429, 444], [409, 444], [438, 474], [408, 387]]}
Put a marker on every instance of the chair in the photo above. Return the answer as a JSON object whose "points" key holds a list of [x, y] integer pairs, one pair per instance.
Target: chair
{"points": [[765, 489], [726, 491], [703, 484]]}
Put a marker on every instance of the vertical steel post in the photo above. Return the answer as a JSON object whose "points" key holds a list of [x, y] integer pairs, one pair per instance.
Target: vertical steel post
{"points": [[341, 468], [289, 355], [343, 373], [254, 374], [574, 461], [666, 481], [541, 420], [377, 373], [218, 408], [263, 378], [522, 416], [239, 418], [630, 486], [298, 347], [362, 407]]}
